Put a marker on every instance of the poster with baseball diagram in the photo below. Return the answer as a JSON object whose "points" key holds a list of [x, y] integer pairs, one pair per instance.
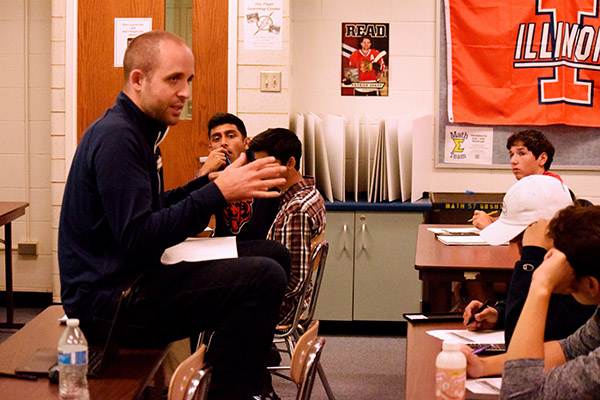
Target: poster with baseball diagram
{"points": [[365, 59]]}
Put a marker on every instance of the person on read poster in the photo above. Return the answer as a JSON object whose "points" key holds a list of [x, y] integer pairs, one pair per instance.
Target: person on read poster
{"points": [[364, 59]]}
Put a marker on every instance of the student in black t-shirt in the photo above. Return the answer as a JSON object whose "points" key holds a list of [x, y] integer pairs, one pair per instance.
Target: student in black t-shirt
{"points": [[248, 219]]}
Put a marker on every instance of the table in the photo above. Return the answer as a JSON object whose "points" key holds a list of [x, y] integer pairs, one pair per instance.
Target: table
{"points": [[421, 351], [125, 377], [440, 265], [9, 211]]}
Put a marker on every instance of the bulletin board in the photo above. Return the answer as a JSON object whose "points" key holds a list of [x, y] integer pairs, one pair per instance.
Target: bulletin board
{"points": [[577, 148]]}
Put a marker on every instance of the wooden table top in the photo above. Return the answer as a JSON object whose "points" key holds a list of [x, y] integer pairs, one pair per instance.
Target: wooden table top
{"points": [[433, 254], [11, 210], [124, 378]]}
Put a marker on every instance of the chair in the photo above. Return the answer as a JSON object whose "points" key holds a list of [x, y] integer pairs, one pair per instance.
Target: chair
{"points": [[290, 333], [305, 360], [302, 316], [191, 379]]}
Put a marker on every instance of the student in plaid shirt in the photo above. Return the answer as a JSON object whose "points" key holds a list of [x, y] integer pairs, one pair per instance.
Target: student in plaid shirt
{"points": [[301, 215]]}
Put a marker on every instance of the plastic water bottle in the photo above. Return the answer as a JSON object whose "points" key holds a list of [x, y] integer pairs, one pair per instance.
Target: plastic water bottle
{"points": [[451, 372], [73, 363]]}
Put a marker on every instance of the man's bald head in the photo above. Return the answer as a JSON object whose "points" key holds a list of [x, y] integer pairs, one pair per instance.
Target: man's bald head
{"points": [[143, 52]]}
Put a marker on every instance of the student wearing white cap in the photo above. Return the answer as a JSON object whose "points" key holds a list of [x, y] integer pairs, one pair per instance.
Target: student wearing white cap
{"points": [[531, 199]]}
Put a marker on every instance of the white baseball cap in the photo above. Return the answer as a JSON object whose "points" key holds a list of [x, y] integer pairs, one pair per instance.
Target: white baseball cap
{"points": [[532, 198]]}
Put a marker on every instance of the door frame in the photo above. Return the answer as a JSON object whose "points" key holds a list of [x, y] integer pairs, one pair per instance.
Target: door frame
{"points": [[71, 73]]}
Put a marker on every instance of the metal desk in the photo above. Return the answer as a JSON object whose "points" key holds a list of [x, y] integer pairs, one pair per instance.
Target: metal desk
{"points": [[9, 211]]}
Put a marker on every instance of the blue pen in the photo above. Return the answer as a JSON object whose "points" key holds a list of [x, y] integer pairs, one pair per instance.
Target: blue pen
{"points": [[227, 158]]}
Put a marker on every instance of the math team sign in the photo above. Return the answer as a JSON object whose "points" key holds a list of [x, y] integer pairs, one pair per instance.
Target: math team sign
{"points": [[523, 62]]}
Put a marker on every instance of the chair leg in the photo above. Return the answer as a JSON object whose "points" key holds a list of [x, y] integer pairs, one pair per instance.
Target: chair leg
{"points": [[324, 381]]}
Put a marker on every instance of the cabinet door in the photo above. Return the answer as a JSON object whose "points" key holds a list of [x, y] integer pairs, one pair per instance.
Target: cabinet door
{"points": [[336, 295], [386, 284]]}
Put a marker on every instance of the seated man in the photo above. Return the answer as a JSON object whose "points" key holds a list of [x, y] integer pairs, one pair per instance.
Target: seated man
{"points": [[569, 368], [530, 199], [247, 219], [301, 215], [531, 153], [116, 221]]}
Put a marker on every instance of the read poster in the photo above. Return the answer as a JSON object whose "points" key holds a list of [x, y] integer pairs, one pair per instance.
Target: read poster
{"points": [[365, 65]]}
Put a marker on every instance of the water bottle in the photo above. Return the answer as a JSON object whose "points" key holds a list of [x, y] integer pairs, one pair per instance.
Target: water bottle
{"points": [[73, 363], [451, 372]]}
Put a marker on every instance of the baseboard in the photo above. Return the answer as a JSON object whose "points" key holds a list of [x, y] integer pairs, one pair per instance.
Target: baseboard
{"points": [[28, 299], [363, 328]]}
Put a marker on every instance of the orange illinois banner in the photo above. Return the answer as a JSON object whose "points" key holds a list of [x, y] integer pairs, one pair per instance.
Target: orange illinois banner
{"points": [[523, 62]]}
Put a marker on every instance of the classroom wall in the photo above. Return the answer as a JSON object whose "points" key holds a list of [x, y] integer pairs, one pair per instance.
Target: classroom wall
{"points": [[37, 138], [315, 70], [261, 110], [25, 140]]}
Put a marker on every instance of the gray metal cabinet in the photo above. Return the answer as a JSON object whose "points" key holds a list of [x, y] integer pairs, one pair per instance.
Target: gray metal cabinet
{"points": [[370, 273]]}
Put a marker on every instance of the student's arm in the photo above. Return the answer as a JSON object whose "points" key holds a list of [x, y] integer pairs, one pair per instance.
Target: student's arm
{"points": [[535, 246], [524, 375], [215, 160], [486, 319], [481, 219], [294, 233], [493, 365]]}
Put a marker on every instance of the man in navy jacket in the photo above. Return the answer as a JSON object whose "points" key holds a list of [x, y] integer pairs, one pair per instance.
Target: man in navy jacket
{"points": [[116, 221]]}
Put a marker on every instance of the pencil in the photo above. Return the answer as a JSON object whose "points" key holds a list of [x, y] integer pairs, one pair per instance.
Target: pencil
{"points": [[491, 214]]}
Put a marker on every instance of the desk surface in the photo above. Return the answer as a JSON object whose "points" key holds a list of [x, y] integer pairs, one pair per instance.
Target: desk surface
{"points": [[421, 351], [431, 253], [124, 378], [11, 210]]}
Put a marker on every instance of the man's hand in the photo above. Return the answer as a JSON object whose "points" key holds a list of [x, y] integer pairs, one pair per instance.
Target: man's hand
{"points": [[536, 235], [481, 219], [253, 180], [215, 160], [555, 273], [484, 320]]}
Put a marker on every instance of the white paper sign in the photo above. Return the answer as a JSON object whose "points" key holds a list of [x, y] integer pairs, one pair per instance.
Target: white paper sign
{"points": [[469, 145], [262, 27], [125, 30]]}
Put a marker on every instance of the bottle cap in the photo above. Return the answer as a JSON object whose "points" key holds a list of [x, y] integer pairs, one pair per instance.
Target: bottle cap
{"points": [[451, 346], [73, 322]]}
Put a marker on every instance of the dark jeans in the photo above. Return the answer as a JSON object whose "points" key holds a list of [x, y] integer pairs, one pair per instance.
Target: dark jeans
{"points": [[237, 298]]}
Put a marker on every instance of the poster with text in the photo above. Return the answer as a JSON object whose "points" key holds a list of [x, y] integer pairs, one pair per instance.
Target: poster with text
{"points": [[126, 29], [365, 59], [262, 27], [469, 145]]}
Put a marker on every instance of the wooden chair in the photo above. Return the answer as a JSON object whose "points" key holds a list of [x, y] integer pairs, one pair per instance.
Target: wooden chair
{"points": [[305, 360], [191, 379]]}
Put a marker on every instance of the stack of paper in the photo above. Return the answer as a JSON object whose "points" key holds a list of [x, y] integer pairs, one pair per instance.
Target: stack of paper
{"points": [[359, 158]]}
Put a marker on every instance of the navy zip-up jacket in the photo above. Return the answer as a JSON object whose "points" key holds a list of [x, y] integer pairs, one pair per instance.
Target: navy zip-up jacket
{"points": [[116, 220]]}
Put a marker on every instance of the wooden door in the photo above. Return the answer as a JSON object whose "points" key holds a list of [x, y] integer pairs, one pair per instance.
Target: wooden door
{"points": [[99, 82]]}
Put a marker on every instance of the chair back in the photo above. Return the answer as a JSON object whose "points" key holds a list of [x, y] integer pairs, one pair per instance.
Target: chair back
{"points": [[319, 258], [305, 360], [185, 373], [198, 387]]}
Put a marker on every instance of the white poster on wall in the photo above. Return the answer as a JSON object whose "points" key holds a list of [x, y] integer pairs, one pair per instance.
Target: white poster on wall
{"points": [[469, 145], [125, 30], [262, 27]]}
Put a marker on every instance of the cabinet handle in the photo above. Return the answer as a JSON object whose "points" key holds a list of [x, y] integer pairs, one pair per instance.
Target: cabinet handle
{"points": [[345, 237], [363, 230]]}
